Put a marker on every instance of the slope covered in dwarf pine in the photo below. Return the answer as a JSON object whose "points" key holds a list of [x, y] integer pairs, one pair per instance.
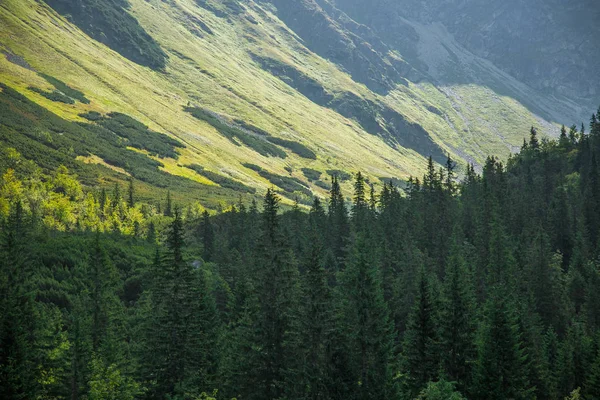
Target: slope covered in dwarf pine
{"points": [[480, 288], [109, 22], [302, 84]]}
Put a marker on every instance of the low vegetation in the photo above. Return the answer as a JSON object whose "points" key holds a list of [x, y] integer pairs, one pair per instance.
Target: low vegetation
{"points": [[442, 292], [109, 22], [221, 180]]}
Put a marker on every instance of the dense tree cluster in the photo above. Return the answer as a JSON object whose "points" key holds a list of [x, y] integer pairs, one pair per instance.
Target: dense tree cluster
{"points": [[483, 288]]}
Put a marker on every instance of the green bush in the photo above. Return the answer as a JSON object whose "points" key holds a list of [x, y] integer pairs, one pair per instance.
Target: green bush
{"points": [[65, 89], [54, 95], [109, 22], [288, 184], [295, 147], [233, 133], [221, 180], [342, 175], [311, 174]]}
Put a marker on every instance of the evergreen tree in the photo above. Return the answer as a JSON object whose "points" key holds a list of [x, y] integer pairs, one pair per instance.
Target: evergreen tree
{"points": [[338, 221], [208, 237], [499, 371], [310, 378], [366, 327], [457, 322], [534, 143], [131, 194], [169, 206], [181, 337], [420, 348], [17, 371], [276, 284]]}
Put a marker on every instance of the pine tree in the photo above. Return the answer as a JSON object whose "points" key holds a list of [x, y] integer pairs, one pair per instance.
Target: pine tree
{"points": [[499, 371], [208, 237], [366, 326], [168, 207], [338, 222], [276, 285], [420, 348], [182, 334], [131, 194], [457, 322]]}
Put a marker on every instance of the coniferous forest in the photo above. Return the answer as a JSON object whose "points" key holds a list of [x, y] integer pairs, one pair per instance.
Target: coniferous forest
{"points": [[461, 285]]}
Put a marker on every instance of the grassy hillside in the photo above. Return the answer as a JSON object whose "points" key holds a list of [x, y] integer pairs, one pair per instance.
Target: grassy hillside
{"points": [[265, 98]]}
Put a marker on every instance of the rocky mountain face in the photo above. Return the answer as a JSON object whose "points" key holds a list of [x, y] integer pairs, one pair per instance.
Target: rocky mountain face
{"points": [[550, 45]]}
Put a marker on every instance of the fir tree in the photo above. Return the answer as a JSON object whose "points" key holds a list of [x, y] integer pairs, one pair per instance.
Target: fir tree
{"points": [[208, 237], [131, 194], [499, 371], [457, 322], [276, 283], [168, 207], [338, 221], [420, 347], [367, 329]]}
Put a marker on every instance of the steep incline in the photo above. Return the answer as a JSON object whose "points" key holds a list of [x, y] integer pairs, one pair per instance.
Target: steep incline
{"points": [[256, 91]]}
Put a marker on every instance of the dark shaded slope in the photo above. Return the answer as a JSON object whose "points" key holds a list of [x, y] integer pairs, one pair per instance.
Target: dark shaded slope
{"points": [[375, 118], [367, 60], [108, 22], [548, 44]]}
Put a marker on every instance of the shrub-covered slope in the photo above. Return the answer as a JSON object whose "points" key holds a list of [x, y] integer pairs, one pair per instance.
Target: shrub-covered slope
{"points": [[283, 85]]}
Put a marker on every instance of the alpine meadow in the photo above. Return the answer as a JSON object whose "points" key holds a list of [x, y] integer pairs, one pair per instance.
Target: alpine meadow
{"points": [[299, 200]]}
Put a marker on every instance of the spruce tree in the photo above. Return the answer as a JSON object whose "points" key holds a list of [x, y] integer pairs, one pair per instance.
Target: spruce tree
{"points": [[338, 222], [457, 321], [276, 285], [499, 372], [168, 206], [131, 194], [208, 237], [366, 326], [181, 336], [420, 346], [309, 378]]}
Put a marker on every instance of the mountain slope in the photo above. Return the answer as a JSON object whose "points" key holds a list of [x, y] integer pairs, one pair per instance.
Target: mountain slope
{"points": [[281, 85]]}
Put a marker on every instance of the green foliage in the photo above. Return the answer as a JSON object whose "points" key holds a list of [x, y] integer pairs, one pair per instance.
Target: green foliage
{"points": [[443, 293], [109, 22], [323, 185], [295, 147], [107, 382], [54, 95], [50, 141], [500, 372], [65, 89], [440, 390], [288, 184], [257, 142], [420, 349], [311, 174], [341, 175], [138, 135], [222, 180]]}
